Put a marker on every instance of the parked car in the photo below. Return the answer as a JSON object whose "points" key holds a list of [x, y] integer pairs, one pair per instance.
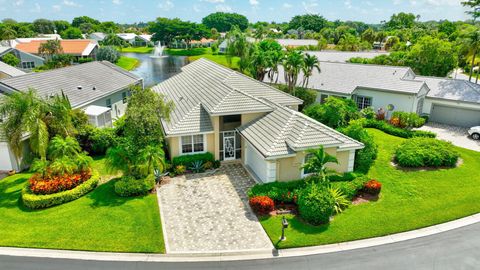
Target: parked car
{"points": [[475, 132]]}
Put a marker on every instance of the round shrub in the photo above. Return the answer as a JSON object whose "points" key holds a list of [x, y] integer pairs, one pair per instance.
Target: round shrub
{"points": [[316, 204], [426, 152], [261, 205], [372, 187], [34, 201], [129, 186]]}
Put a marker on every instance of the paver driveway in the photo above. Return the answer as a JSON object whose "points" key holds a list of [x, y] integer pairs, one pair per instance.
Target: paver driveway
{"points": [[209, 213], [457, 135]]}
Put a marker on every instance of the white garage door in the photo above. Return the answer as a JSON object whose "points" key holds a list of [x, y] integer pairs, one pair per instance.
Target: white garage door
{"points": [[455, 116], [256, 163], [5, 161]]}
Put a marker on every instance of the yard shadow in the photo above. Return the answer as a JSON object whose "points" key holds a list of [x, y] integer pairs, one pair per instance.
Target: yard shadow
{"points": [[11, 199], [104, 196]]}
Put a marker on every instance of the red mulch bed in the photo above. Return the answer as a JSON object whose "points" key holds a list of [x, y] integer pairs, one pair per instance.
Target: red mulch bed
{"points": [[282, 209], [364, 197]]}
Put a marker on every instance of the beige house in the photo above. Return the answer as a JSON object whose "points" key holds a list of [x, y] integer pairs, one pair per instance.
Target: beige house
{"points": [[235, 117]]}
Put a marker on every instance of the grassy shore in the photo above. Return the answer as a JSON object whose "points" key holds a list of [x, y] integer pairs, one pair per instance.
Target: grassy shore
{"points": [[128, 63]]}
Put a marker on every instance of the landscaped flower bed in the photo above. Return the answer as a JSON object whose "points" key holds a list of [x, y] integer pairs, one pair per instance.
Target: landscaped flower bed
{"points": [[39, 201], [56, 183]]}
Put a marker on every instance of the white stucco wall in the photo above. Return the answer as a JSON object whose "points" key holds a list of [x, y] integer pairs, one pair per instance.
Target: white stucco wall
{"points": [[118, 107], [380, 99]]}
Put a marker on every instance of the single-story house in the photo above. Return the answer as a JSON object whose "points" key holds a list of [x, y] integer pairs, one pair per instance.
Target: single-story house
{"points": [[97, 36], [78, 48], [7, 71], [128, 37], [343, 57], [294, 43], [394, 88], [136, 40], [235, 117], [99, 88], [28, 61]]}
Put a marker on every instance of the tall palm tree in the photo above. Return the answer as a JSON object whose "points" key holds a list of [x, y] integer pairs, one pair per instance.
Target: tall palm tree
{"points": [[151, 158], [237, 46], [292, 65], [25, 115], [310, 63], [473, 41], [316, 162], [275, 60], [59, 117]]}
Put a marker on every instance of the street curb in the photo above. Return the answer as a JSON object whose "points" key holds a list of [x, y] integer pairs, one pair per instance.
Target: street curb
{"points": [[237, 256]]}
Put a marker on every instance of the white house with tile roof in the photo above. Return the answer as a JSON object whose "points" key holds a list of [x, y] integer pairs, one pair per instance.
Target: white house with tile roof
{"points": [[235, 117]]}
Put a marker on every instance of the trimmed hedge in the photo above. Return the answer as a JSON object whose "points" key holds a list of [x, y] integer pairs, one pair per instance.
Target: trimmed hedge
{"points": [[351, 188], [282, 192], [316, 204], [395, 131], [34, 201], [128, 186], [364, 158], [187, 160], [426, 152]]}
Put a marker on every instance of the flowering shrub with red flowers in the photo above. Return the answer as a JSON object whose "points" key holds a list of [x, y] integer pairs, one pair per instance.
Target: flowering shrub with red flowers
{"points": [[56, 183], [372, 187], [261, 205]]}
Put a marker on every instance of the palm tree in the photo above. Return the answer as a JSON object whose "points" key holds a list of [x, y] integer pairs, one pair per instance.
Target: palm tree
{"points": [[63, 165], [275, 60], [258, 63], [119, 158], [63, 147], [310, 63], [50, 48], [316, 161], [292, 64], [25, 115], [59, 117], [473, 41], [151, 158], [237, 46]]}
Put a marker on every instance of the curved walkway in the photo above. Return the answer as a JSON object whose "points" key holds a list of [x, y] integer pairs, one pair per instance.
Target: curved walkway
{"points": [[452, 249]]}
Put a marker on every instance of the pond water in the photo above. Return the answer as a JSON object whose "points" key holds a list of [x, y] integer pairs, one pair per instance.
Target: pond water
{"points": [[155, 70]]}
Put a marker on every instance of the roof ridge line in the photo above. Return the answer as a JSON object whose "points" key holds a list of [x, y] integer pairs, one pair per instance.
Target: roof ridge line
{"points": [[282, 132]]}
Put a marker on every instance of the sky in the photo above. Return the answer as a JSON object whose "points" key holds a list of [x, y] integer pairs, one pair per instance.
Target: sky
{"points": [[129, 11]]}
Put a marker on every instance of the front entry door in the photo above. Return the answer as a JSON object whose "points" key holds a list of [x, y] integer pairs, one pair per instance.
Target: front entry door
{"points": [[228, 145]]}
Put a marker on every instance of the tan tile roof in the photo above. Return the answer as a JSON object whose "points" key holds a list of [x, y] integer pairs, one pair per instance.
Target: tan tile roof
{"points": [[72, 46]]}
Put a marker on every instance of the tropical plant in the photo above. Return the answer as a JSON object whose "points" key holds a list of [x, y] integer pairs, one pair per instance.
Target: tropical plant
{"points": [[472, 40], [108, 53], [63, 147], [292, 65], [11, 60], [151, 158], [341, 201], [196, 166], [114, 40], [25, 113], [316, 162], [310, 63]]}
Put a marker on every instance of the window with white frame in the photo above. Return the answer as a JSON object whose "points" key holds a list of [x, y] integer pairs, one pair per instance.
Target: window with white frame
{"points": [[28, 65], [193, 144], [363, 102]]}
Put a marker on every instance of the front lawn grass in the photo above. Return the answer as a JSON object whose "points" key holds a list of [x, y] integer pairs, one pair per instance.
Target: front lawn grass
{"points": [[128, 63], [99, 221], [409, 200]]}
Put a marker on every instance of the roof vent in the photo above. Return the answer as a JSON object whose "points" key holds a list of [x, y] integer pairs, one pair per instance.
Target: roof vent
{"points": [[181, 98], [394, 72], [79, 87], [94, 88]]}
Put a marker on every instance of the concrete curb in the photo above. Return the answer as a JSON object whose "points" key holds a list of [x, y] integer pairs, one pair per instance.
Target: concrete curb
{"points": [[236, 256]]}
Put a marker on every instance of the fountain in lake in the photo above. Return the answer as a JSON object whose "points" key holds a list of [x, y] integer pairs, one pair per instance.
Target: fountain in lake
{"points": [[158, 51]]}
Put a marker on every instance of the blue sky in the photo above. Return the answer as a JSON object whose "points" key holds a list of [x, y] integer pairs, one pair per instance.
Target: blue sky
{"points": [[371, 11]]}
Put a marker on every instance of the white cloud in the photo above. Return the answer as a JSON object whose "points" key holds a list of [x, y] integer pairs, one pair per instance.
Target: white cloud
{"points": [[36, 8], [254, 2], [116, 2], [69, 3], [348, 4], [287, 5], [214, 1], [166, 5], [223, 8], [18, 2], [310, 6], [196, 8], [56, 8], [397, 2]]}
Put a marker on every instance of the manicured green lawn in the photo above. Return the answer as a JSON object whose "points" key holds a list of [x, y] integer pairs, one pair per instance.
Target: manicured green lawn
{"points": [[136, 50], [409, 200], [99, 221], [128, 63]]}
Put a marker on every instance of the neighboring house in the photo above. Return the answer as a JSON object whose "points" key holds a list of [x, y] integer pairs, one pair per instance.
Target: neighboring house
{"points": [[294, 43], [78, 48], [395, 88], [143, 41], [235, 117], [7, 71], [99, 88], [28, 61], [343, 57], [97, 36], [128, 37]]}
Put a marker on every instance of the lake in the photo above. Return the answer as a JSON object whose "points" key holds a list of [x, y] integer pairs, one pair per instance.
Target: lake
{"points": [[155, 70]]}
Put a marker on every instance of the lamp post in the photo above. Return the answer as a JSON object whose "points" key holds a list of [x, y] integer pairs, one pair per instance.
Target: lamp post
{"points": [[284, 226]]}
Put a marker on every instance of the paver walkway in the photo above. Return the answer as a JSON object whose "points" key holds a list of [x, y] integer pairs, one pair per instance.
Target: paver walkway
{"points": [[209, 213]]}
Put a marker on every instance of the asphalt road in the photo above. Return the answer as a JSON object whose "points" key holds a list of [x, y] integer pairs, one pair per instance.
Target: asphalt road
{"points": [[458, 249]]}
